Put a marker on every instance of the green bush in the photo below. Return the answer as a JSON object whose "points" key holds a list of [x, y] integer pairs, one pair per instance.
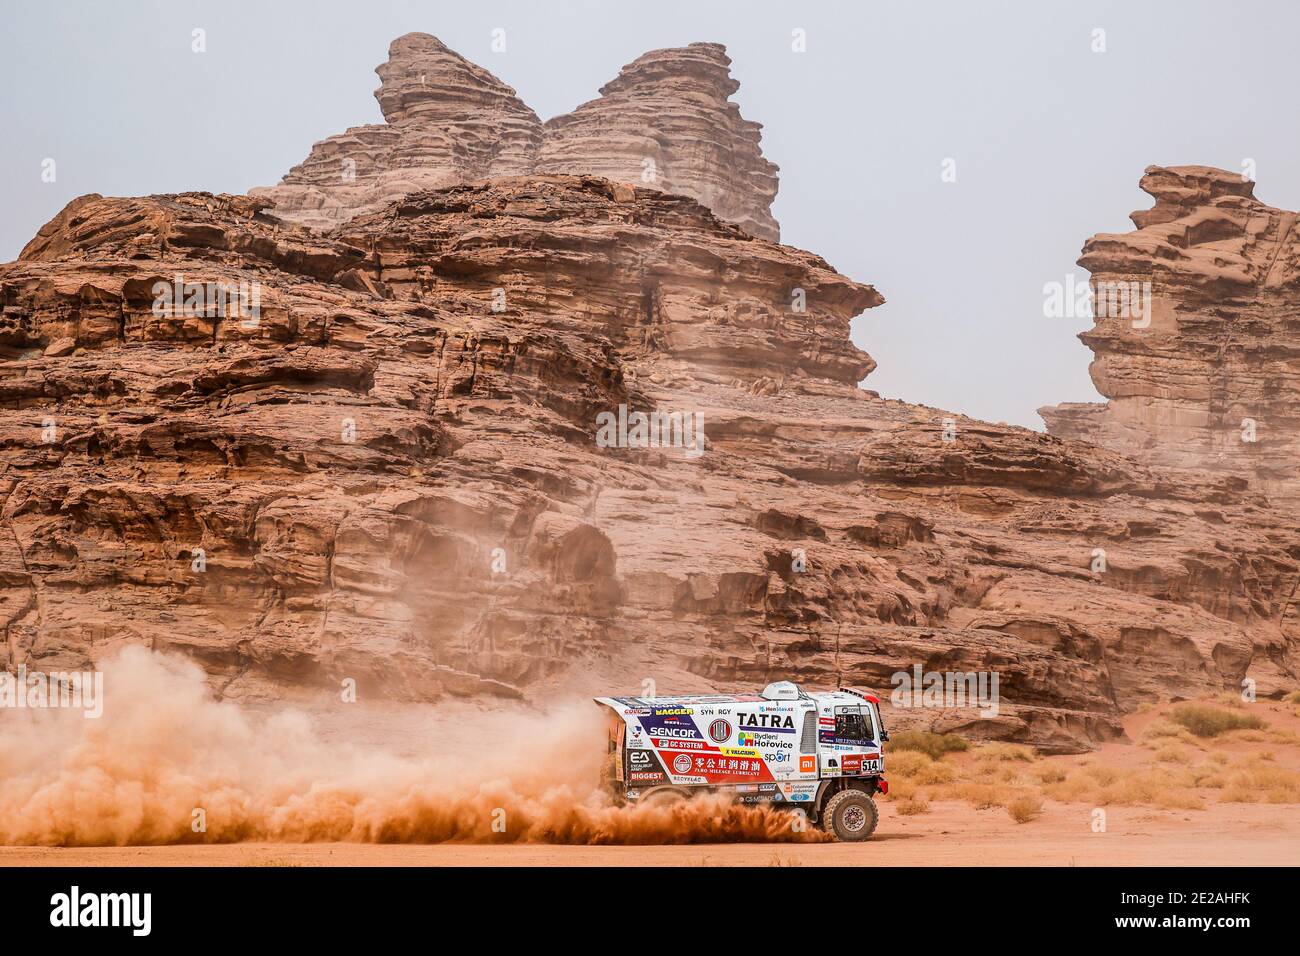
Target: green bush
{"points": [[932, 745], [1210, 721]]}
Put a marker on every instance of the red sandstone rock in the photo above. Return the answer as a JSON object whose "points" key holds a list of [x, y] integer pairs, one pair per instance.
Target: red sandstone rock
{"points": [[389, 480], [1216, 365], [665, 122]]}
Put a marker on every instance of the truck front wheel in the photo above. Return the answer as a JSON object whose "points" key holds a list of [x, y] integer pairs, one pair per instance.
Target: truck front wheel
{"points": [[851, 815]]}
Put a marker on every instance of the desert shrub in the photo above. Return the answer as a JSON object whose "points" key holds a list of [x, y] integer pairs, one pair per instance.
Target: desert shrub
{"points": [[1001, 751], [1105, 786], [1210, 721], [1161, 732], [1253, 780], [1025, 808], [981, 796], [1103, 776], [1172, 754], [901, 788], [1252, 736], [919, 768], [923, 741], [911, 806], [1051, 774]]}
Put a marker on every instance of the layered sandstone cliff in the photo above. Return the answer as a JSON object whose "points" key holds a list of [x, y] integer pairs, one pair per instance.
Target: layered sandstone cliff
{"points": [[1209, 376], [665, 122], [392, 474]]}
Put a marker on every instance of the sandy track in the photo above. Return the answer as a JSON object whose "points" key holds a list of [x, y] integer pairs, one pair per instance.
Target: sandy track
{"points": [[953, 834]]}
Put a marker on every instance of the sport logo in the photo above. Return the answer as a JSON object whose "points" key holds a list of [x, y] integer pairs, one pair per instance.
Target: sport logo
{"points": [[719, 731], [682, 763]]}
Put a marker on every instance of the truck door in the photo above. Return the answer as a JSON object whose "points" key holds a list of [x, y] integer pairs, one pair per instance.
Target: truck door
{"points": [[843, 740], [806, 767]]}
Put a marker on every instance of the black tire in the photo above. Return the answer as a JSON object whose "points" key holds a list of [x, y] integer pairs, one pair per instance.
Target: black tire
{"points": [[851, 815]]}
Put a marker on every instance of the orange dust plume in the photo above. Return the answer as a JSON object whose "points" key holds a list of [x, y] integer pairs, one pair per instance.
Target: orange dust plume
{"points": [[167, 763]]}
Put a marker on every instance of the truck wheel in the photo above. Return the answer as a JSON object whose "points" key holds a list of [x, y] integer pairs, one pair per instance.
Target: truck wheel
{"points": [[663, 798], [851, 815]]}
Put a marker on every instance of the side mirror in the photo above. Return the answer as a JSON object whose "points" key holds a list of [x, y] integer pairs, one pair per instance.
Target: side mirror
{"points": [[884, 736]]}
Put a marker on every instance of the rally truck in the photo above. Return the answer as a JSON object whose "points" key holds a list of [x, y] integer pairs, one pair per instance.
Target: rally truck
{"points": [[819, 753]]}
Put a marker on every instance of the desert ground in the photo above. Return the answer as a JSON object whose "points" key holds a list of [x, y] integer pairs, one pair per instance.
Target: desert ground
{"points": [[1169, 797], [952, 834]]}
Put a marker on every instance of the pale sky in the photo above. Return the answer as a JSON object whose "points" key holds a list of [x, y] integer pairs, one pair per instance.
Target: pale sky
{"points": [[1049, 137]]}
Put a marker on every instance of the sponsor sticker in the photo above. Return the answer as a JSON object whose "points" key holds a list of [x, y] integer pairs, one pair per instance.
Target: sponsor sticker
{"points": [[720, 731]]}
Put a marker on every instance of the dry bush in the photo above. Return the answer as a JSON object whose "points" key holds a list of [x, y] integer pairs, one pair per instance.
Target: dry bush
{"points": [[981, 796], [1207, 776], [919, 768], [1001, 751], [1025, 808], [900, 788], [1050, 774], [911, 806], [1210, 722], [1104, 786], [1077, 787], [1161, 732], [923, 741], [1251, 736], [1252, 780], [1157, 787], [905, 764], [1103, 776], [1173, 754]]}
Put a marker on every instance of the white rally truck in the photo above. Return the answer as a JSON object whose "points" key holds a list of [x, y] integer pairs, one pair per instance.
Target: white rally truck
{"points": [[821, 753]]}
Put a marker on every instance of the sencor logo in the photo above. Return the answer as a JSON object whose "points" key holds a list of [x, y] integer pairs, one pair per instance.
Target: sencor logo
{"points": [[719, 731]]}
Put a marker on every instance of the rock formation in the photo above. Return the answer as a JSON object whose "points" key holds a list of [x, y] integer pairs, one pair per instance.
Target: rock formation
{"points": [[381, 458], [664, 122], [1209, 376]]}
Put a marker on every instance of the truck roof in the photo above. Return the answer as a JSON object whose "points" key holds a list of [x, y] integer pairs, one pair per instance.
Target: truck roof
{"points": [[844, 696]]}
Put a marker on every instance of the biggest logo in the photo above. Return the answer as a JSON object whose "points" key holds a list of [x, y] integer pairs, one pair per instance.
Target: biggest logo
{"points": [[719, 731]]}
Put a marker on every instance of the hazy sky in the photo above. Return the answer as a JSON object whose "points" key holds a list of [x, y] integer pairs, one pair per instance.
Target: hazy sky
{"points": [[1049, 137]]}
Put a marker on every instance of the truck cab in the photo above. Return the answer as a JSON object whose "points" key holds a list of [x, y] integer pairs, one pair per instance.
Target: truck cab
{"points": [[821, 753]]}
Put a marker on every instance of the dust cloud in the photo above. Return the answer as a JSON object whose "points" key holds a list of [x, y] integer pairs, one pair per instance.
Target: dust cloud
{"points": [[166, 757]]}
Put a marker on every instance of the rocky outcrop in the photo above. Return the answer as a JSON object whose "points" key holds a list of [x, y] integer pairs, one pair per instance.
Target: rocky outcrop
{"points": [[447, 121], [1208, 376], [665, 122], [381, 459]]}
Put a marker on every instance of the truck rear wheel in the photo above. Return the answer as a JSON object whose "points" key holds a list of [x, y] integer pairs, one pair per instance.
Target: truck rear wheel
{"points": [[664, 797], [851, 815]]}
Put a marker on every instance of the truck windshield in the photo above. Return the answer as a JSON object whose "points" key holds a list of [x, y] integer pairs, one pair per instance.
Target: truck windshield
{"points": [[853, 728]]}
